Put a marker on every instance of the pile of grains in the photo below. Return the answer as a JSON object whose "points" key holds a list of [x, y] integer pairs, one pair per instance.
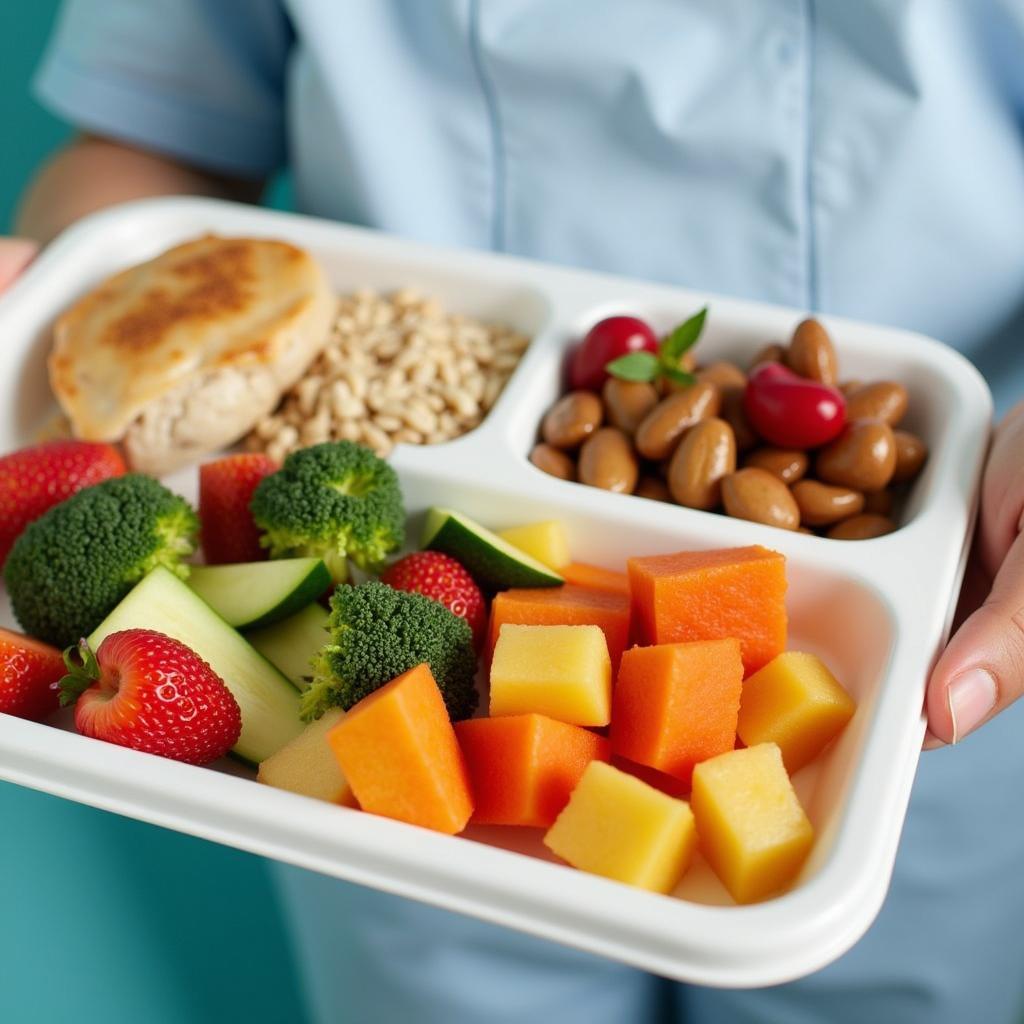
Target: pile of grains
{"points": [[396, 369]]}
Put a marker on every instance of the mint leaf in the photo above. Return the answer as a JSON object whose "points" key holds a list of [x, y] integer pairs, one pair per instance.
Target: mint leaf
{"points": [[683, 338], [636, 367], [678, 376]]}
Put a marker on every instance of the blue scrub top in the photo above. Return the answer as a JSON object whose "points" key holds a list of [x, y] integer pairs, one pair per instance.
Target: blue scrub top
{"points": [[863, 159]]}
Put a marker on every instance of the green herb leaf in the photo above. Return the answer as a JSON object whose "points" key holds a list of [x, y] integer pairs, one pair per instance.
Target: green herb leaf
{"points": [[635, 367], [682, 339], [678, 376]]}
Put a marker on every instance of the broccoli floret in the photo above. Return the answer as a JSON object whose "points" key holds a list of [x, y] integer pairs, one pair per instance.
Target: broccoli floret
{"points": [[332, 501], [71, 567], [377, 633]]}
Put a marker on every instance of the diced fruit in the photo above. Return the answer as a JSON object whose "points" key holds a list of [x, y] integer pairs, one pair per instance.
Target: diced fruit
{"points": [[248, 595], [596, 578], [29, 674], [617, 826], [753, 831], [711, 595], [545, 541], [676, 704], [399, 753], [560, 671], [292, 644], [225, 490], [35, 479], [268, 702], [491, 561], [443, 579], [565, 606], [522, 768], [795, 702], [307, 765], [144, 690], [659, 780]]}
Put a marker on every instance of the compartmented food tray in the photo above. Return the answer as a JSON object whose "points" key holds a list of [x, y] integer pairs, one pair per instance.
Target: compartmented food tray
{"points": [[876, 610]]}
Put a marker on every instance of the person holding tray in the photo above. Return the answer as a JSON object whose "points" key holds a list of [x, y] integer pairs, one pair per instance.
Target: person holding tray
{"points": [[861, 160]]}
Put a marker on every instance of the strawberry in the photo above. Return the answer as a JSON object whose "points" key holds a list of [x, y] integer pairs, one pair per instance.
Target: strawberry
{"points": [[225, 487], [440, 577], [29, 675], [144, 690], [34, 479]]}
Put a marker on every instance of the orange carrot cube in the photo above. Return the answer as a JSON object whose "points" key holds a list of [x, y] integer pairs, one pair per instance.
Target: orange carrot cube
{"points": [[398, 750], [711, 595], [675, 705], [596, 578], [523, 768]]}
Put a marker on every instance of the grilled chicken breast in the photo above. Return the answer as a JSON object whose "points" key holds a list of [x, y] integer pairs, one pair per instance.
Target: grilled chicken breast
{"points": [[182, 355]]}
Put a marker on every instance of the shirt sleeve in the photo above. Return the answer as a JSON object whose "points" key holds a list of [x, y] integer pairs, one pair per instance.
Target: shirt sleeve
{"points": [[201, 80]]}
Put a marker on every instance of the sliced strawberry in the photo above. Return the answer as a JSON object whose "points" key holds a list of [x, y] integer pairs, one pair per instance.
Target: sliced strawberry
{"points": [[225, 488], [144, 690], [34, 479], [442, 578], [30, 672]]}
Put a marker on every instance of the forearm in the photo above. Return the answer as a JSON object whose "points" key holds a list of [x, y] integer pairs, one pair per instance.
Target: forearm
{"points": [[91, 173]]}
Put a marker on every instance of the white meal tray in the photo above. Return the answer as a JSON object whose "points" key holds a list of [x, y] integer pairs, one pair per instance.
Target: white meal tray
{"points": [[878, 611]]}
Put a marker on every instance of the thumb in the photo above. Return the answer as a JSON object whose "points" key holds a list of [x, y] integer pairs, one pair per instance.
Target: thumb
{"points": [[15, 256], [981, 672]]}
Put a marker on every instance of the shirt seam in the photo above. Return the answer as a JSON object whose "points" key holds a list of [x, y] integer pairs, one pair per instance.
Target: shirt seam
{"points": [[811, 242], [493, 110]]}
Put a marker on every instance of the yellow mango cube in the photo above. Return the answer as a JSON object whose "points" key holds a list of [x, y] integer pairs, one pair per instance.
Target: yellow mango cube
{"points": [[563, 672], [544, 541], [752, 829], [796, 702], [619, 827], [307, 765]]}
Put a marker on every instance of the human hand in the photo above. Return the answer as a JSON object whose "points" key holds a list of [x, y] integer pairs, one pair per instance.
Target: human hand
{"points": [[15, 255], [981, 671]]}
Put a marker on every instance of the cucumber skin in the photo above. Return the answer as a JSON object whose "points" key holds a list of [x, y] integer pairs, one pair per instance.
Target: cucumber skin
{"points": [[315, 583], [489, 567]]}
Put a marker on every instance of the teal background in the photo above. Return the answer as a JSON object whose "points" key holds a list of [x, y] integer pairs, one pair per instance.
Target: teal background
{"points": [[105, 920]]}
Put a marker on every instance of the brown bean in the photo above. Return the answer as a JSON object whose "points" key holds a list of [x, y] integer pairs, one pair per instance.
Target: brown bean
{"points": [[812, 354], [733, 414], [572, 419], [911, 452], [880, 503], [788, 464], [607, 461], [723, 375], [553, 462], [627, 402], [862, 527], [652, 487], [658, 434], [883, 400], [706, 454], [848, 387], [761, 497], [772, 353], [863, 457], [821, 504]]}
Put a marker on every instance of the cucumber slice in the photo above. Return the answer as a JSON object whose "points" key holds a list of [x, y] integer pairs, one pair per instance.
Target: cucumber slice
{"points": [[268, 702], [253, 594], [491, 561], [291, 645]]}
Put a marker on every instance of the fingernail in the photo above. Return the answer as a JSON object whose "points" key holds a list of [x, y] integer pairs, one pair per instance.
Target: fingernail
{"points": [[971, 695]]}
